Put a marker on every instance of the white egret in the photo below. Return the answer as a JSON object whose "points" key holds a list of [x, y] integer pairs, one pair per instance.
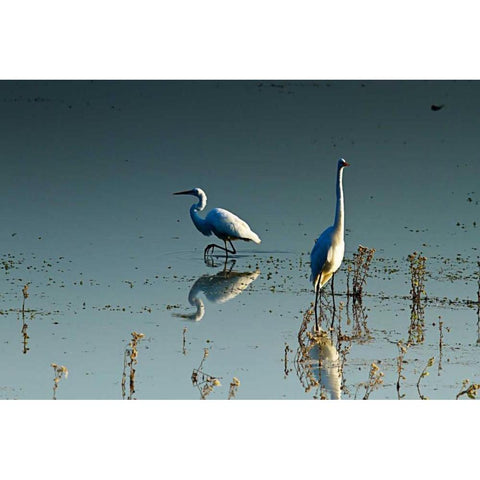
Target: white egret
{"points": [[224, 224], [327, 254]]}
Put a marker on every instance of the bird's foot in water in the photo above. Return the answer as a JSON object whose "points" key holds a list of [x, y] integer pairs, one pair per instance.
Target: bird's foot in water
{"points": [[209, 250]]}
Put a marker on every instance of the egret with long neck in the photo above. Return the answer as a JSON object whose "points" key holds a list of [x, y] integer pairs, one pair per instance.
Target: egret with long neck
{"points": [[327, 254], [224, 224]]}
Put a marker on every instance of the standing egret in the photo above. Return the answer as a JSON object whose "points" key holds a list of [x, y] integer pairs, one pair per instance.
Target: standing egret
{"points": [[224, 224], [327, 254]]}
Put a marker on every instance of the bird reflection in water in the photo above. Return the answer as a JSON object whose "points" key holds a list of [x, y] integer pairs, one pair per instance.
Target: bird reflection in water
{"points": [[318, 363], [218, 288]]}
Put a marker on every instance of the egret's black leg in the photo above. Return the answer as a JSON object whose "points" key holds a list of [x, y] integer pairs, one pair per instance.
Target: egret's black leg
{"points": [[317, 291], [228, 271], [333, 300], [233, 248], [209, 249], [333, 293]]}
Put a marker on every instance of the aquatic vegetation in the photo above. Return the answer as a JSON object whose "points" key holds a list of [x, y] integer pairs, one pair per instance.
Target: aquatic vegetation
{"points": [[286, 370], [25, 296], [424, 373], [234, 384], [358, 268], [469, 390], [184, 340], [417, 271], [129, 360], [60, 372], [375, 379], [203, 381], [417, 282], [402, 347], [25, 336], [440, 344], [478, 306]]}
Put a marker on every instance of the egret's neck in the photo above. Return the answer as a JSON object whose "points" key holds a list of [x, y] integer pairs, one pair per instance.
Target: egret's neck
{"points": [[202, 201], [200, 222], [338, 225]]}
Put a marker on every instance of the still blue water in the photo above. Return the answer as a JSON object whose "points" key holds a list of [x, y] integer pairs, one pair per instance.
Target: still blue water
{"points": [[90, 222]]}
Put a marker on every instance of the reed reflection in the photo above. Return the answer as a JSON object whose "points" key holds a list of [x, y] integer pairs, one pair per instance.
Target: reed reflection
{"points": [[218, 288]]}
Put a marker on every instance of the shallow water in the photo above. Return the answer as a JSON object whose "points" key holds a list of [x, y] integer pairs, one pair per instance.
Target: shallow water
{"points": [[90, 223]]}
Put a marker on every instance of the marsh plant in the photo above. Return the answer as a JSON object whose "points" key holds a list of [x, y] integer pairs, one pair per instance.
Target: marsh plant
{"points": [[129, 361], [468, 389], [25, 336], [417, 281], [358, 270], [417, 276], [286, 370], [375, 379], [203, 381], [360, 331], [424, 374], [234, 384], [184, 341], [403, 348], [25, 296], [303, 361], [478, 305], [61, 371], [440, 344]]}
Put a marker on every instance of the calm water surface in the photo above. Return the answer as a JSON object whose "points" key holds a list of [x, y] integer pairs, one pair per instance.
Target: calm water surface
{"points": [[90, 223]]}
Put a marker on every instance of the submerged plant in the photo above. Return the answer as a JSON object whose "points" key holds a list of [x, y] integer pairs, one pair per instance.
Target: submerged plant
{"points": [[129, 360], [424, 373], [469, 390], [203, 381], [60, 372]]}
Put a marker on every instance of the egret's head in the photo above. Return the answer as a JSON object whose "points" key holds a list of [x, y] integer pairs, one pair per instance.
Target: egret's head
{"points": [[342, 163], [196, 192]]}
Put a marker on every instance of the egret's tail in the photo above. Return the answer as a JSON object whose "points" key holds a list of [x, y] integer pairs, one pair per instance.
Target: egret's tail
{"points": [[255, 238]]}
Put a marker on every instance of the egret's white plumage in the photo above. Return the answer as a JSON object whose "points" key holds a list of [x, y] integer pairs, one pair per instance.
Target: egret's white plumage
{"points": [[222, 223], [327, 254]]}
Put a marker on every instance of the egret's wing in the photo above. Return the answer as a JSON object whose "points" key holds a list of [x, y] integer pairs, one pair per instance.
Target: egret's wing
{"points": [[226, 224], [322, 252]]}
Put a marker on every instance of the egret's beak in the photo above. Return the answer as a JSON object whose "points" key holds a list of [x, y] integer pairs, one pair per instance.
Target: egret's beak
{"points": [[186, 192], [346, 164]]}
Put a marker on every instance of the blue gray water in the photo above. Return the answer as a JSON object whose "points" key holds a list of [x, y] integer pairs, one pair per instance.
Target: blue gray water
{"points": [[90, 223]]}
